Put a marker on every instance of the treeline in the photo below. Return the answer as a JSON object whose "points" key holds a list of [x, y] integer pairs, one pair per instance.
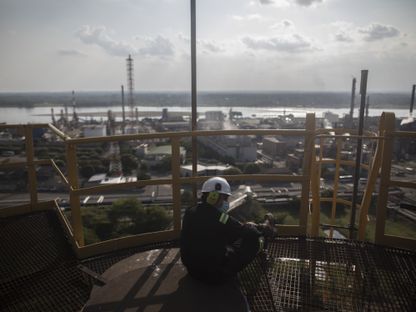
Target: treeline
{"points": [[125, 216]]}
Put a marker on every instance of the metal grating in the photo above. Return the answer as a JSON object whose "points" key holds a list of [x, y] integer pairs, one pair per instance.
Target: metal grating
{"points": [[38, 272], [38, 269], [101, 263], [319, 274], [37, 266]]}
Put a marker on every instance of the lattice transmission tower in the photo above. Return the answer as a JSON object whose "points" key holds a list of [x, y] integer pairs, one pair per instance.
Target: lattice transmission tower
{"points": [[130, 86]]}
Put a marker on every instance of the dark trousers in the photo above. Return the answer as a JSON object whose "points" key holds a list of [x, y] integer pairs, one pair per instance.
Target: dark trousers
{"points": [[239, 254]]}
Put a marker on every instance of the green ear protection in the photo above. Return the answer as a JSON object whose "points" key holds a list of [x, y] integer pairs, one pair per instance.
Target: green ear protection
{"points": [[213, 198]]}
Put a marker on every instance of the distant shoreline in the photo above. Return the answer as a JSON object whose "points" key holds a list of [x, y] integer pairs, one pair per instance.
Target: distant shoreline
{"points": [[220, 99]]}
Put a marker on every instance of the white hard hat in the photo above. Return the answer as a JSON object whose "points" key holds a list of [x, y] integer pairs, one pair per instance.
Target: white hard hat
{"points": [[216, 184]]}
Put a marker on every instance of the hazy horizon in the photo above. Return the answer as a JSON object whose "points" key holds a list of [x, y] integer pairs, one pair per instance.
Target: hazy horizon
{"points": [[218, 99], [69, 92]]}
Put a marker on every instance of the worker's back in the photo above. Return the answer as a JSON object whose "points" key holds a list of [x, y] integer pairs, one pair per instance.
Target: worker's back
{"points": [[206, 237]]}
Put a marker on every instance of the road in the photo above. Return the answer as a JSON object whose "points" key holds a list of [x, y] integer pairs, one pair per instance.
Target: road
{"points": [[159, 193]]}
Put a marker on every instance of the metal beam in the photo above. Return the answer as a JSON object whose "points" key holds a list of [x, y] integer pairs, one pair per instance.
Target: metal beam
{"points": [[363, 93]]}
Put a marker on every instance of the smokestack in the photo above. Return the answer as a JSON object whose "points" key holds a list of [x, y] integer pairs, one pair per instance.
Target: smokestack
{"points": [[123, 110], [66, 113], [53, 116], [412, 101], [367, 106], [74, 104], [354, 81]]}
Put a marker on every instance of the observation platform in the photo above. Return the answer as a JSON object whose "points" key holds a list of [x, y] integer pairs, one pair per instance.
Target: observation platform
{"points": [[40, 272]]}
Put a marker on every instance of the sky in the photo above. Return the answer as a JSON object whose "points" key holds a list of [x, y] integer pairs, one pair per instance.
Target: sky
{"points": [[242, 45]]}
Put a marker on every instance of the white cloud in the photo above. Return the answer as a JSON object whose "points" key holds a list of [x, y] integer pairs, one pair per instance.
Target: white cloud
{"points": [[343, 31], [205, 45], [286, 43], [150, 46], [183, 38], [343, 36], [266, 2], [275, 3], [307, 3], [210, 46], [158, 46], [70, 52], [250, 17], [98, 35], [374, 32], [284, 24], [283, 3]]}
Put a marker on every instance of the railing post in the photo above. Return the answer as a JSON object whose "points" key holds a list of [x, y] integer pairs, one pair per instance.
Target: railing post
{"points": [[306, 171], [76, 217], [31, 170], [372, 179], [336, 185], [315, 188], [389, 125], [176, 186]]}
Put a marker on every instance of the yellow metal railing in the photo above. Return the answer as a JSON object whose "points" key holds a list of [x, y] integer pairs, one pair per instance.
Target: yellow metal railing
{"points": [[310, 181], [340, 135]]}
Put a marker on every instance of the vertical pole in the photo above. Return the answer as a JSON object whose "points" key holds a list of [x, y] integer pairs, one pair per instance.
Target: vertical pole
{"points": [[363, 93], [389, 120], [194, 96], [176, 186], [315, 188], [123, 125], [306, 172], [412, 101], [336, 184], [31, 170], [76, 217], [354, 81]]}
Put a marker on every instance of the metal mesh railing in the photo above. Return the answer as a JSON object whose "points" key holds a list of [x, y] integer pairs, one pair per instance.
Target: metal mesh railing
{"points": [[38, 269], [37, 266], [305, 274]]}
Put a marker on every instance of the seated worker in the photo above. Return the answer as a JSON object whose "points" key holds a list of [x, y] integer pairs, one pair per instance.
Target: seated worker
{"points": [[215, 246]]}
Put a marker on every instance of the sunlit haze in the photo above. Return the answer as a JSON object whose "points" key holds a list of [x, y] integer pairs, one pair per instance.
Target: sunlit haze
{"points": [[306, 45]]}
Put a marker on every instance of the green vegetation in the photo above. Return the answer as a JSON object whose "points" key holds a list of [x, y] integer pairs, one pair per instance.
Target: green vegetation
{"points": [[125, 216], [129, 163], [187, 198], [396, 226], [287, 213], [164, 165], [251, 168]]}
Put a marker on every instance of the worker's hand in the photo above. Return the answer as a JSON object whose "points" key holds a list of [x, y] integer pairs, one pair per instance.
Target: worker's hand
{"points": [[250, 225], [268, 226], [266, 230]]}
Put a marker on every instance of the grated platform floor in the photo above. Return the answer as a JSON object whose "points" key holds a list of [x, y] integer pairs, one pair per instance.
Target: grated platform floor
{"points": [[38, 272], [305, 274]]}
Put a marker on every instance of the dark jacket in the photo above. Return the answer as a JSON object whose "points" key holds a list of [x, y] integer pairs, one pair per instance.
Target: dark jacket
{"points": [[206, 236]]}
